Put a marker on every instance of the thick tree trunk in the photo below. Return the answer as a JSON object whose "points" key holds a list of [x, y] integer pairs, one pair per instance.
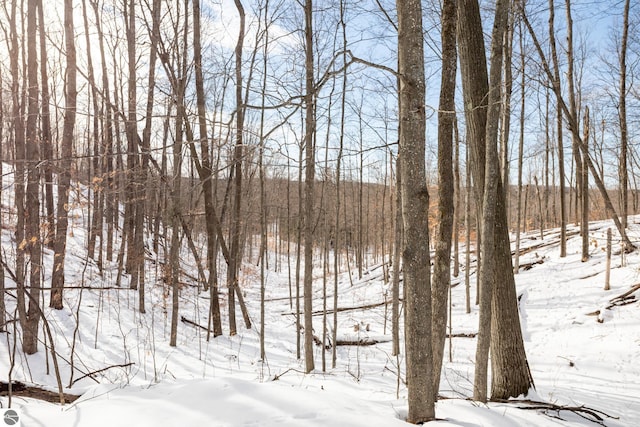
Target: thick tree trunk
{"points": [[497, 286], [510, 376], [415, 205]]}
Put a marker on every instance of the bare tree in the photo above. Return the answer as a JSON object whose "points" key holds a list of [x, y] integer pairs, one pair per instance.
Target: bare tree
{"points": [[499, 329], [309, 135], [47, 142], [235, 253], [415, 205], [206, 175], [622, 115], [32, 240], [446, 121], [66, 152], [572, 121]]}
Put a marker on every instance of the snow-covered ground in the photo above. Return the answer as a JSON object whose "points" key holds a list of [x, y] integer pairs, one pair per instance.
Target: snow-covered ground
{"points": [[574, 359]]}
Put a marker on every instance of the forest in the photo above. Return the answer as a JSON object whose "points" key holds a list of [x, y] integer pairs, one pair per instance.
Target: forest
{"points": [[226, 165]]}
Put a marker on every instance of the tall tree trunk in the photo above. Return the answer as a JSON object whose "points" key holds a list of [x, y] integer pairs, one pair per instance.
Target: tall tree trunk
{"points": [[499, 326], [584, 180], [446, 121], [19, 157], [559, 127], [263, 195], [3, 313], [519, 209], [97, 214], [47, 142], [32, 240], [336, 224], [206, 177], [622, 115], [310, 125], [490, 201], [133, 256], [235, 253], [415, 205], [64, 173]]}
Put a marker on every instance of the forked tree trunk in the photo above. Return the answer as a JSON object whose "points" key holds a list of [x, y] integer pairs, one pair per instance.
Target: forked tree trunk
{"points": [[499, 319]]}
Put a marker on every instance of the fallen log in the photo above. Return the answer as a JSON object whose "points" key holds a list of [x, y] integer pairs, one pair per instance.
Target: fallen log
{"points": [[463, 335], [35, 392]]}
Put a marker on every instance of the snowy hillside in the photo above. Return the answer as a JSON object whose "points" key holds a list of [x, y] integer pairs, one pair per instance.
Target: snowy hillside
{"points": [[127, 374]]}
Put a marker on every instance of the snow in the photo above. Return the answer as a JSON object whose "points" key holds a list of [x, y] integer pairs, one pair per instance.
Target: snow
{"points": [[574, 359]]}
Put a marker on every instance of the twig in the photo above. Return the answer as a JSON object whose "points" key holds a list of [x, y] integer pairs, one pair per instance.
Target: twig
{"points": [[277, 377]]}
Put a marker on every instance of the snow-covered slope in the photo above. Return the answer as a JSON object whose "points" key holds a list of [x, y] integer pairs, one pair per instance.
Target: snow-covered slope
{"points": [[138, 379]]}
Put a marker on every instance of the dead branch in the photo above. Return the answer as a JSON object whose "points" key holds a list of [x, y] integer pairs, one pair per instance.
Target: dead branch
{"points": [[590, 414], [340, 309], [361, 342], [91, 374], [625, 296], [622, 299], [192, 323]]}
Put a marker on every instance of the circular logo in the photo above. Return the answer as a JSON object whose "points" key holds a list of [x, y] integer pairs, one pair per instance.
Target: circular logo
{"points": [[11, 417]]}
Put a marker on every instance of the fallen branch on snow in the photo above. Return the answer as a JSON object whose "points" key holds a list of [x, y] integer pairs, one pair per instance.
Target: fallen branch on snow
{"points": [[622, 299], [91, 374], [590, 414]]}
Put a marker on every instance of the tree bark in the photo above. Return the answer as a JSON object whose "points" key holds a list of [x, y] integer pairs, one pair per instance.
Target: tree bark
{"points": [[47, 142], [415, 205], [234, 250], [310, 125], [64, 173], [32, 242], [446, 120], [499, 322], [622, 114], [206, 175]]}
